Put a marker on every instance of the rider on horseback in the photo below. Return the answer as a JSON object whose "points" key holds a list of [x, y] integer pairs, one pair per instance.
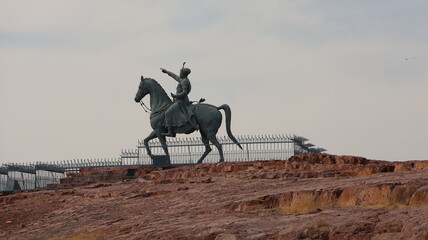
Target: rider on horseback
{"points": [[179, 113]]}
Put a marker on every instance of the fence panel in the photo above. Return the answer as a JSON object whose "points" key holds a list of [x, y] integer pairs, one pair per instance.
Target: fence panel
{"points": [[189, 150]]}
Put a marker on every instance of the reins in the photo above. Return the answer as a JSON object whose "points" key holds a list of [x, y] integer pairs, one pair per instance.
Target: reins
{"points": [[145, 108], [148, 110]]}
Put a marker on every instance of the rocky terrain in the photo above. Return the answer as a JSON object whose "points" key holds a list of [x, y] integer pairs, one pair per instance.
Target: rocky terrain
{"points": [[310, 196]]}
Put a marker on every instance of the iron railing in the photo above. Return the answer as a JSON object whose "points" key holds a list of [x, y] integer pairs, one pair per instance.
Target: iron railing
{"points": [[189, 150], [183, 151]]}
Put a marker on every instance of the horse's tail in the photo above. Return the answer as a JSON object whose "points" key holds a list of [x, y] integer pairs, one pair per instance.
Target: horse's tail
{"points": [[228, 113]]}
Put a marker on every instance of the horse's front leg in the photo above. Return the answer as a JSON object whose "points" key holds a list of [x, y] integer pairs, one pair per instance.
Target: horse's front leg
{"points": [[151, 136], [162, 139]]}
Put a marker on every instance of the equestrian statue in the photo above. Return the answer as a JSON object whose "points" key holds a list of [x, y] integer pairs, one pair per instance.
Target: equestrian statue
{"points": [[180, 115]]}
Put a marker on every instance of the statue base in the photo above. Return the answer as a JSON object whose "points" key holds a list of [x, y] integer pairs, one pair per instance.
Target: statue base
{"points": [[161, 161]]}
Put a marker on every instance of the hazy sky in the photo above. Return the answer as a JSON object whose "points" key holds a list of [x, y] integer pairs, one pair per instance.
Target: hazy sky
{"points": [[352, 76]]}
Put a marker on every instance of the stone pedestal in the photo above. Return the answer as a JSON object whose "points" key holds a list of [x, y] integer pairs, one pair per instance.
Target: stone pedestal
{"points": [[161, 161]]}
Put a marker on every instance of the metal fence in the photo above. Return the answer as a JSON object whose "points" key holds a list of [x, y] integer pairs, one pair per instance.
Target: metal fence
{"points": [[186, 151], [29, 176], [189, 150]]}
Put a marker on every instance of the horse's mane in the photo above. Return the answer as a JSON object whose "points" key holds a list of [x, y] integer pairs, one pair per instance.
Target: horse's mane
{"points": [[154, 81]]}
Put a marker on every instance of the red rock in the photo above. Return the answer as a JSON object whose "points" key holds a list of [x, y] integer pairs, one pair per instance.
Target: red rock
{"points": [[310, 196]]}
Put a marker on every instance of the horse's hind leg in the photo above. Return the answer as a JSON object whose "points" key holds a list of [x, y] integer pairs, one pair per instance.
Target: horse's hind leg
{"points": [[208, 149], [214, 140]]}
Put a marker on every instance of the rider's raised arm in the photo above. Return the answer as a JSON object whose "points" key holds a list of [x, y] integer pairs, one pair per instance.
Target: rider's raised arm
{"points": [[170, 74]]}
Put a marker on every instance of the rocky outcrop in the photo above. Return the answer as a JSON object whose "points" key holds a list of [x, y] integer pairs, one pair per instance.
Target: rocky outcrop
{"points": [[90, 175], [300, 166], [391, 195], [310, 196]]}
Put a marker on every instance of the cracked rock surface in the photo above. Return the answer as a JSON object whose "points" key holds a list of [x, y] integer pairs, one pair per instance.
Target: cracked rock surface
{"points": [[310, 196]]}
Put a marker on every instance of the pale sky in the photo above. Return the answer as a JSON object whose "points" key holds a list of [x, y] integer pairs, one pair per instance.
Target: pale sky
{"points": [[352, 76]]}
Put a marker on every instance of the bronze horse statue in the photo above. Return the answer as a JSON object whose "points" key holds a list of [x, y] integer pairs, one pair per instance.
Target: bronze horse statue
{"points": [[207, 117]]}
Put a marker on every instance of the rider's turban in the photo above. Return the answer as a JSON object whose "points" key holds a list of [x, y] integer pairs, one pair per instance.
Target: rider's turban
{"points": [[185, 71]]}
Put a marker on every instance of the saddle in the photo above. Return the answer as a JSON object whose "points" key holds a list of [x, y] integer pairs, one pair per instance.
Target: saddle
{"points": [[192, 120], [198, 102], [191, 125]]}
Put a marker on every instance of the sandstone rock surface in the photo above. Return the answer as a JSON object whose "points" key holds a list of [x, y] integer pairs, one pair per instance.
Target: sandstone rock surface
{"points": [[310, 196]]}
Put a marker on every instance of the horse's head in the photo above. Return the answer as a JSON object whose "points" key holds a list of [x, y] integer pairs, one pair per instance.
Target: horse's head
{"points": [[142, 90]]}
